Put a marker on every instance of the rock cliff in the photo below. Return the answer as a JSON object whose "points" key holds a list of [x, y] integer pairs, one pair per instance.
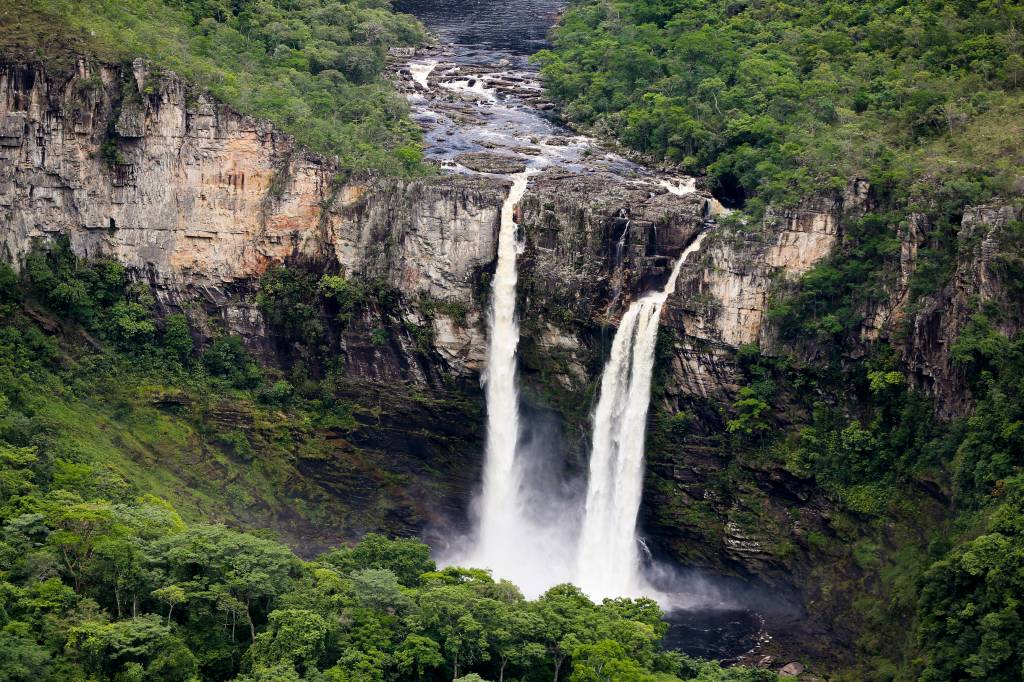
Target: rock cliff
{"points": [[199, 201]]}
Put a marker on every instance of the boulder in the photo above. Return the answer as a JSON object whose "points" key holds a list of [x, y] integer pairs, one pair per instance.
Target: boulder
{"points": [[792, 669], [491, 162]]}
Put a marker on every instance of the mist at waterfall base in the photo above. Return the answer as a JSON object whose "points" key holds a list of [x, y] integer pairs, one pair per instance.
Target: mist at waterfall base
{"points": [[532, 525], [538, 527], [522, 533], [535, 533]]}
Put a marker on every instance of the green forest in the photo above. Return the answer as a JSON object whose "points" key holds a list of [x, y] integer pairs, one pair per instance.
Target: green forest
{"points": [[144, 459], [776, 100], [102, 579]]}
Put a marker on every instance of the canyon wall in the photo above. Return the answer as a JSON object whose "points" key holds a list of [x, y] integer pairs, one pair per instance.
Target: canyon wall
{"points": [[200, 201]]}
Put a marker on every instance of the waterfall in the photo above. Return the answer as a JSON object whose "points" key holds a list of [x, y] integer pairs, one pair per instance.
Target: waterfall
{"points": [[421, 71], [608, 562], [512, 538], [500, 511]]}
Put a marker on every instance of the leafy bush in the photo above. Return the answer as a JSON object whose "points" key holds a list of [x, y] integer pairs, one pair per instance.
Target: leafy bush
{"points": [[970, 612], [70, 286], [288, 299], [228, 358], [177, 339]]}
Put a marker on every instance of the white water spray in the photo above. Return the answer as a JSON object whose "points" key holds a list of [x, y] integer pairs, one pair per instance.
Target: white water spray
{"points": [[608, 563], [421, 72], [499, 504], [680, 187], [510, 541]]}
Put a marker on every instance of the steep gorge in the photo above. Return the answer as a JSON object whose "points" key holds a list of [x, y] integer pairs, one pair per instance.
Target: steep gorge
{"points": [[199, 201]]}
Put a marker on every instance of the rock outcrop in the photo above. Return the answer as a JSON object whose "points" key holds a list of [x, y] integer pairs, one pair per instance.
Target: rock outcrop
{"points": [[981, 282], [200, 200]]}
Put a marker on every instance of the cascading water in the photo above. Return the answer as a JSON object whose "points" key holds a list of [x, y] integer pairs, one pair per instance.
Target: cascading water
{"points": [[512, 540], [500, 510], [478, 93], [608, 562]]}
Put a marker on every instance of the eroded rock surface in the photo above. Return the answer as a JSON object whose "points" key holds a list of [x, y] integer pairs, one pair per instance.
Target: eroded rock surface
{"points": [[199, 201]]}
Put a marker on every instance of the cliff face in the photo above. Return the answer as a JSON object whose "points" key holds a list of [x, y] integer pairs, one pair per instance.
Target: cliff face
{"points": [[199, 201], [980, 282], [131, 164]]}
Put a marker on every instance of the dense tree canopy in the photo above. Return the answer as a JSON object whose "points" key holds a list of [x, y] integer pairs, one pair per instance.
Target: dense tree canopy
{"points": [[777, 99], [100, 580]]}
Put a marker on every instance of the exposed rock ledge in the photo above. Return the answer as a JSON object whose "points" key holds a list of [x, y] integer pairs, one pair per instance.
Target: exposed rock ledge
{"points": [[200, 200]]}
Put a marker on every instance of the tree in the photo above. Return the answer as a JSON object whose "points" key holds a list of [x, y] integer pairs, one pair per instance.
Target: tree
{"points": [[418, 654], [606, 661], [407, 558], [971, 622], [22, 660], [450, 614], [242, 570], [177, 339], [131, 325], [79, 528], [227, 357], [15, 470], [752, 414], [514, 636], [562, 610], [293, 636], [108, 648], [378, 589], [172, 595]]}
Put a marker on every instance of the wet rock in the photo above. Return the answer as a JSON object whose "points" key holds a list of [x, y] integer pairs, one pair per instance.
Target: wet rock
{"points": [[793, 669], [490, 162]]}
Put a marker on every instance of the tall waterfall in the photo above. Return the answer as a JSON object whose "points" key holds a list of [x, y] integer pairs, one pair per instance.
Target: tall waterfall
{"points": [[608, 563], [511, 539], [500, 511]]}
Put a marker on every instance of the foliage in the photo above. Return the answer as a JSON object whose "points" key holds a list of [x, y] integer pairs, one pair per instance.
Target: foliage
{"points": [[313, 68], [873, 443], [827, 308], [777, 100], [100, 580], [227, 357], [993, 438], [970, 609], [136, 594]]}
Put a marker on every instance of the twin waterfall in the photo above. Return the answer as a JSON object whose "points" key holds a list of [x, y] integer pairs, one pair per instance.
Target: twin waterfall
{"points": [[516, 540], [608, 563]]}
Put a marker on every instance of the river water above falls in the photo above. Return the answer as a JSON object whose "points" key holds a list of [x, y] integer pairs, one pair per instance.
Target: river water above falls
{"points": [[482, 110], [480, 102]]}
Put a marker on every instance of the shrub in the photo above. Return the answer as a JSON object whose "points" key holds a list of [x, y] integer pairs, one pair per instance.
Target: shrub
{"points": [[228, 358]]}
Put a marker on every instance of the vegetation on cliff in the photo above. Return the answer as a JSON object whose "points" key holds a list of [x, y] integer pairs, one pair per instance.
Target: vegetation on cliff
{"points": [[779, 101], [776, 100], [312, 68], [101, 579]]}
